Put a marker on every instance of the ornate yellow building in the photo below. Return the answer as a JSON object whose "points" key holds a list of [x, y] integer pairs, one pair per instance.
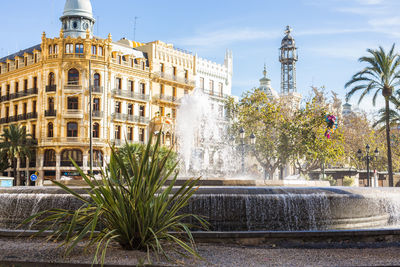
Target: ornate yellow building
{"points": [[136, 89]]}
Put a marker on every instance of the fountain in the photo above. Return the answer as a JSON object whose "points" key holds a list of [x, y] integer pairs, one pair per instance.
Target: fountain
{"points": [[204, 148], [205, 151], [244, 208]]}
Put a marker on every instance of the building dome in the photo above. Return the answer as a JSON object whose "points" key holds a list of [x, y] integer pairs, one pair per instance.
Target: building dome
{"points": [[78, 8], [265, 85], [77, 18], [288, 40]]}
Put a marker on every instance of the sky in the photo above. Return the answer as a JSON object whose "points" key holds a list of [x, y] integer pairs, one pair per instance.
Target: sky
{"points": [[330, 34]]}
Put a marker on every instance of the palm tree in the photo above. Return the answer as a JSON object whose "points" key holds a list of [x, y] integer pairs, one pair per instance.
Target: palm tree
{"points": [[16, 143], [394, 118], [380, 76]]}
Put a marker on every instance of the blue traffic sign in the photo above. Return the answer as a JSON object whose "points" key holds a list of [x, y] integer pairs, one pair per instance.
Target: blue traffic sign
{"points": [[33, 177]]}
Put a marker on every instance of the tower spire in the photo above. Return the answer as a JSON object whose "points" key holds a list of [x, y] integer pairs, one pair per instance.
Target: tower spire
{"points": [[288, 58]]}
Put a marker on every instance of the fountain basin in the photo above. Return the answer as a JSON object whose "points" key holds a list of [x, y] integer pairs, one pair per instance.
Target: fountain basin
{"points": [[244, 208]]}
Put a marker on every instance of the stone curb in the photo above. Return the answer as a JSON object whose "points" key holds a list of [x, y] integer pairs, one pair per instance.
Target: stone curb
{"points": [[204, 235]]}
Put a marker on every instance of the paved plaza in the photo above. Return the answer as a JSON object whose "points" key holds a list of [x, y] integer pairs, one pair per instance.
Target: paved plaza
{"points": [[376, 254]]}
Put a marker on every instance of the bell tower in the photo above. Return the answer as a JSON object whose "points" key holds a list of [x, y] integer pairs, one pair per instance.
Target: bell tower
{"points": [[77, 18], [288, 58]]}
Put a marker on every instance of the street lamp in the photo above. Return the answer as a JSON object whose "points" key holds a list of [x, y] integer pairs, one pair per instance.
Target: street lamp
{"points": [[242, 136], [367, 159]]}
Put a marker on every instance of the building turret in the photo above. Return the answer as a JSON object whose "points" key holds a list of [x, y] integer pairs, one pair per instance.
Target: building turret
{"points": [[265, 85], [288, 58], [77, 18]]}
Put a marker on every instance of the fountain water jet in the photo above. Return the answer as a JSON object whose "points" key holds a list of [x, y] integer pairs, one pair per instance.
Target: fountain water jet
{"points": [[202, 143]]}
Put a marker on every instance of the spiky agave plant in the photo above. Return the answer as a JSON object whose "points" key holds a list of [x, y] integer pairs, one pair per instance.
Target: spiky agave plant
{"points": [[132, 205]]}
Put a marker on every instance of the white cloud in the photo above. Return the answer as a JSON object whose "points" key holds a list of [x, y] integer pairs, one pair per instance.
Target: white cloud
{"points": [[225, 37], [370, 2], [331, 31], [384, 22]]}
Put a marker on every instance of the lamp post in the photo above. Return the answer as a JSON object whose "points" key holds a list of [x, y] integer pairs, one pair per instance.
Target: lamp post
{"points": [[368, 158], [90, 121], [242, 136]]}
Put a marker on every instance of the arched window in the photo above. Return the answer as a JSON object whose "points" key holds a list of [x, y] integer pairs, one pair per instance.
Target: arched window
{"points": [[73, 77], [96, 130], [49, 158], [72, 129], [52, 78], [96, 80], [74, 154], [50, 130]]}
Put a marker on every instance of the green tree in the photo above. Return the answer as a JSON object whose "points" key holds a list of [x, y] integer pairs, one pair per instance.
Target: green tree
{"points": [[285, 135], [16, 144], [258, 114], [312, 149], [381, 75]]}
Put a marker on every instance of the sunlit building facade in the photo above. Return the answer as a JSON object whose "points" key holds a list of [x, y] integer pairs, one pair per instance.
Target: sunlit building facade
{"points": [[136, 89]]}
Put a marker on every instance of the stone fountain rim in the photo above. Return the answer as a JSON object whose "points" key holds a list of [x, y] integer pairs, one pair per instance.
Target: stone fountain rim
{"points": [[233, 190]]}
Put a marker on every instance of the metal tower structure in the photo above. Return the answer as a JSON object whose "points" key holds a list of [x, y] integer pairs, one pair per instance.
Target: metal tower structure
{"points": [[288, 58]]}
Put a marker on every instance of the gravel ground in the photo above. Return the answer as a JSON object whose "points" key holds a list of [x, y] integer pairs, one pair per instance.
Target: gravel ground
{"points": [[35, 250]]}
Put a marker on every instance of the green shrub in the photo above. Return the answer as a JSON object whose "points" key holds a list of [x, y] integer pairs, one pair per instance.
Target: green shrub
{"points": [[330, 179], [348, 181], [131, 206], [138, 150]]}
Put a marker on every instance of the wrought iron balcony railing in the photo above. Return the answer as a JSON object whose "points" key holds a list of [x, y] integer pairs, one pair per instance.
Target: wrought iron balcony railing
{"points": [[130, 94], [50, 113], [51, 88]]}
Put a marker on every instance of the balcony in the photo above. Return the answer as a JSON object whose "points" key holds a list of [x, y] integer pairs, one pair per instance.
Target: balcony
{"points": [[72, 140], [97, 114], [73, 113], [31, 115], [119, 116], [166, 98], [174, 78], [137, 119], [74, 55], [72, 88], [130, 95], [5, 98], [51, 88], [29, 92], [116, 142], [50, 113], [97, 89], [215, 94], [22, 117], [3, 120], [13, 118]]}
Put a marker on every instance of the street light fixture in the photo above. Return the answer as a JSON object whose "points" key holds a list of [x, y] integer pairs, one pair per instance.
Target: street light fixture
{"points": [[241, 133], [252, 139], [368, 158]]}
